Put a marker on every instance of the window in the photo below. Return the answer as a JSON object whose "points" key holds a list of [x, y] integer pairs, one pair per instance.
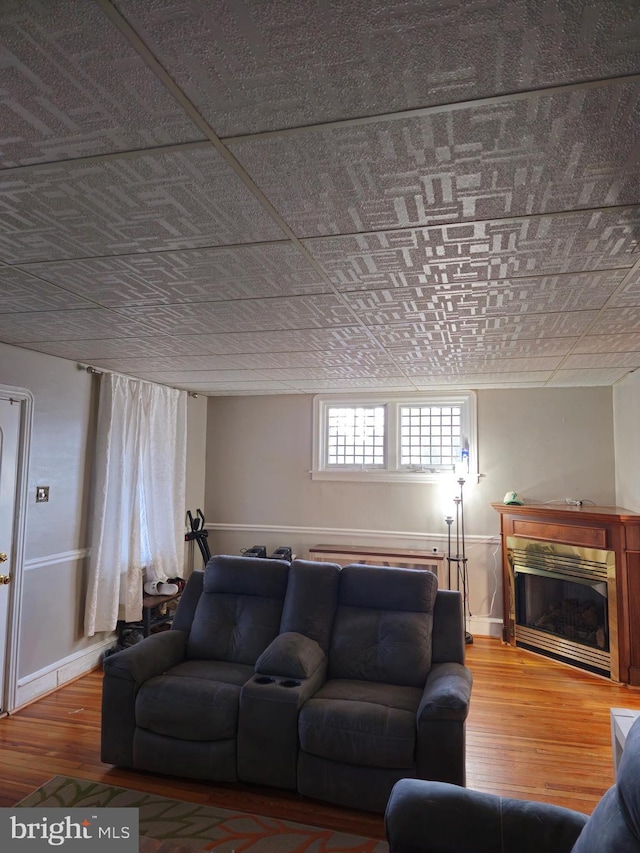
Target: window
{"points": [[401, 439]]}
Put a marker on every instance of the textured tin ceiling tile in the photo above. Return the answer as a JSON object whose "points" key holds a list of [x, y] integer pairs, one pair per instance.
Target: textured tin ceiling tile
{"points": [[570, 378], [68, 326], [617, 321], [482, 251], [332, 340], [261, 65], [485, 347], [478, 380], [144, 203], [72, 86], [533, 326], [361, 359], [198, 275], [115, 348], [547, 153], [20, 292], [608, 343], [600, 360], [362, 384], [247, 315], [485, 299], [347, 371], [477, 364]]}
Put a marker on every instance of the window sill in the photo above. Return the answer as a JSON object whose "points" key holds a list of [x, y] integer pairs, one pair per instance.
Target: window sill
{"points": [[388, 476]]}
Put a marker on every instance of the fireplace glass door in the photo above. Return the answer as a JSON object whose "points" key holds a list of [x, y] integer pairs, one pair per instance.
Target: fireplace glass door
{"points": [[569, 609], [563, 602]]}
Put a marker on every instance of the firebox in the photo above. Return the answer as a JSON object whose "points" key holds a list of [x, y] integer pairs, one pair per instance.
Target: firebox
{"points": [[563, 602]]}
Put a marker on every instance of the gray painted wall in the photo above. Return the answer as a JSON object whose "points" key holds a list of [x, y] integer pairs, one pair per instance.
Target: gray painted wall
{"points": [[547, 444], [626, 418], [62, 448]]}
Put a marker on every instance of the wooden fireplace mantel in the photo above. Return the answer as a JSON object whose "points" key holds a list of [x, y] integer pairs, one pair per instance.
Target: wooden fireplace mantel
{"points": [[608, 528]]}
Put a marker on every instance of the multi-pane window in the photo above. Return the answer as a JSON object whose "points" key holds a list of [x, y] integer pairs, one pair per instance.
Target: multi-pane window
{"points": [[355, 435], [395, 438], [430, 436]]}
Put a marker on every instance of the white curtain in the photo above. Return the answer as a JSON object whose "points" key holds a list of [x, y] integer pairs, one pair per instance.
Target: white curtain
{"points": [[137, 531]]}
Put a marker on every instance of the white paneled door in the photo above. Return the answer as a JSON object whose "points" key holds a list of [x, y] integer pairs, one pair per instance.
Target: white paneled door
{"points": [[10, 411]]}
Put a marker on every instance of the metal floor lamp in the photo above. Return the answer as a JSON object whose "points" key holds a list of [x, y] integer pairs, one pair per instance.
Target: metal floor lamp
{"points": [[460, 558]]}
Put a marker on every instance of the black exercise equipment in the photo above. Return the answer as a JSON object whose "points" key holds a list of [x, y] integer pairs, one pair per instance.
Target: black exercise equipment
{"points": [[198, 534]]}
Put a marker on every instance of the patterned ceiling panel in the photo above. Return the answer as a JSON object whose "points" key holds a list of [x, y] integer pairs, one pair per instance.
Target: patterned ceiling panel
{"points": [[201, 275], [481, 251], [570, 378], [364, 384], [69, 325], [630, 293], [617, 321], [237, 387], [483, 299], [72, 86], [182, 377], [479, 364], [165, 363], [487, 347], [108, 348], [347, 371], [362, 360], [261, 65], [341, 340], [515, 328], [20, 292], [480, 380], [250, 315], [144, 203], [598, 360], [462, 178], [549, 153], [608, 343]]}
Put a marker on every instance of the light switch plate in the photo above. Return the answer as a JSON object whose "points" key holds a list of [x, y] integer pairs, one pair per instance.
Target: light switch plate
{"points": [[42, 494]]}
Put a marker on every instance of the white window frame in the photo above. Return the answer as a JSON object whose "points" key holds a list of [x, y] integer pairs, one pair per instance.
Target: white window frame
{"points": [[393, 472]]}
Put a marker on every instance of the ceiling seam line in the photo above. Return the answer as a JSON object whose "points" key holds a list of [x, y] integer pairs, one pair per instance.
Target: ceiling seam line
{"points": [[419, 112], [601, 310]]}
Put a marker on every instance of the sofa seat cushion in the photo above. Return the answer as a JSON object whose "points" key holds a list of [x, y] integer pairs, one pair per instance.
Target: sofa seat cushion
{"points": [[360, 722], [196, 700]]}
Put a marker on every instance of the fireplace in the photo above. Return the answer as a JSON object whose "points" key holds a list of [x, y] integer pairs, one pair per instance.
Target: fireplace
{"points": [[563, 602]]}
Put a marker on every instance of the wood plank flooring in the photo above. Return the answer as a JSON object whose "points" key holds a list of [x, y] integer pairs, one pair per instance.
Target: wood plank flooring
{"points": [[537, 730]]}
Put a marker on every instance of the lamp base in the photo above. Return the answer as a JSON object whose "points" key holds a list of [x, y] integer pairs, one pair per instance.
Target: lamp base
{"points": [[468, 638]]}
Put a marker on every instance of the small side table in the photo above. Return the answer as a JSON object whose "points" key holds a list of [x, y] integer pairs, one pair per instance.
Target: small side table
{"points": [[621, 721]]}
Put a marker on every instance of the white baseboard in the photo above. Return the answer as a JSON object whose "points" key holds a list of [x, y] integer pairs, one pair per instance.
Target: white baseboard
{"points": [[49, 678], [485, 626]]}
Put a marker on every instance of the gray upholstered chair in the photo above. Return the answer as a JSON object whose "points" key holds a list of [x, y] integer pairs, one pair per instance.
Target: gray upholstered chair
{"points": [[428, 817], [171, 702], [397, 693]]}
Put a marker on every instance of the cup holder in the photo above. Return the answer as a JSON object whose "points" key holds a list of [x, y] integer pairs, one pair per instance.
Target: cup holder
{"points": [[290, 682], [264, 679]]}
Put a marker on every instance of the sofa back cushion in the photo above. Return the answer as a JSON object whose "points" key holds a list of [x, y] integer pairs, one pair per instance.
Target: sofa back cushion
{"points": [[383, 625], [239, 611], [311, 600]]}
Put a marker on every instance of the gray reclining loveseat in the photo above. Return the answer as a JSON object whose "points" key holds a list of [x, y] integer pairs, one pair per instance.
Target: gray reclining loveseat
{"points": [[335, 683]]}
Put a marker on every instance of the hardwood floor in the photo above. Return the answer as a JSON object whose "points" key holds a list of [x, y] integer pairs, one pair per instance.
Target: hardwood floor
{"points": [[537, 730]]}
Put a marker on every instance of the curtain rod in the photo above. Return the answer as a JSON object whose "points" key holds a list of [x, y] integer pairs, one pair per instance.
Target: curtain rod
{"points": [[95, 372]]}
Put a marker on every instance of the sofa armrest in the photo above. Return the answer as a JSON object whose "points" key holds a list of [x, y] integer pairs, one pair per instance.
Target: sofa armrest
{"points": [[434, 817], [152, 656], [291, 655], [447, 693], [124, 673]]}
